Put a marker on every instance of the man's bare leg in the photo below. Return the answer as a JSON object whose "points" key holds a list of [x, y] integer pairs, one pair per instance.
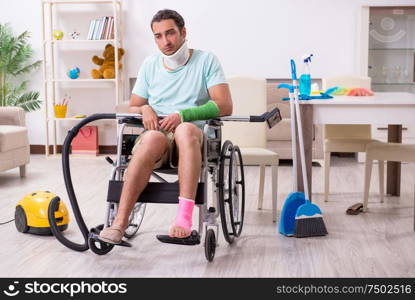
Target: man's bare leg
{"points": [[187, 137], [152, 146]]}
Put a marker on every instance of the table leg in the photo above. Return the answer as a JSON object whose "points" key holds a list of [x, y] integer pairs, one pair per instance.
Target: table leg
{"points": [[307, 122], [393, 180]]}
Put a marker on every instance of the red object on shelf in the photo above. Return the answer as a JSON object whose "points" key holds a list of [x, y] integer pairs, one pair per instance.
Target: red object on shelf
{"points": [[86, 141]]}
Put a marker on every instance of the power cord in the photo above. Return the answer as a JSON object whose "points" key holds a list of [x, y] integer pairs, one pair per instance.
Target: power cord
{"points": [[7, 222]]}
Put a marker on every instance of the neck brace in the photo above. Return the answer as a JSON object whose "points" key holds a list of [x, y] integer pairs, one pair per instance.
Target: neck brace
{"points": [[178, 58]]}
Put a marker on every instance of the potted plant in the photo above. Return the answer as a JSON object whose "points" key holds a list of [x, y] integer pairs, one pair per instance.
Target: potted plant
{"points": [[15, 63]]}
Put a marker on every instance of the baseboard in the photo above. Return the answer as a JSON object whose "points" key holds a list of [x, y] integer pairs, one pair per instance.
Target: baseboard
{"points": [[40, 149]]}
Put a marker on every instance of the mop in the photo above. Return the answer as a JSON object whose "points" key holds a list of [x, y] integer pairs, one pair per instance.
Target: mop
{"points": [[308, 218], [295, 199]]}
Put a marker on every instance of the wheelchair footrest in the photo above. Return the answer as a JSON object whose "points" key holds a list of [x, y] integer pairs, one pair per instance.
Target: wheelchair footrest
{"points": [[94, 236], [193, 239]]}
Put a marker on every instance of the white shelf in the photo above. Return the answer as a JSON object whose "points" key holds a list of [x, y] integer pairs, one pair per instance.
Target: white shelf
{"points": [[77, 41], [79, 1], [55, 82], [81, 80]]}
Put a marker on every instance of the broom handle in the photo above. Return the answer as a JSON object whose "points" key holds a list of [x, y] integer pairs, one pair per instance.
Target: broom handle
{"points": [[293, 141], [301, 141], [293, 124]]}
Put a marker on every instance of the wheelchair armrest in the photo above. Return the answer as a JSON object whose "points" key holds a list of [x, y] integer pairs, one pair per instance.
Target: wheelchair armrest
{"points": [[214, 122], [271, 117], [130, 120]]}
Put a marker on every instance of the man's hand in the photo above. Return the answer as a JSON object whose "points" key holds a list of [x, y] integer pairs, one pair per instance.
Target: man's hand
{"points": [[150, 118], [170, 122]]}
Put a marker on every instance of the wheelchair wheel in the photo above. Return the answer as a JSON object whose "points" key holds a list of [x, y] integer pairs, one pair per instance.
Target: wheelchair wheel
{"points": [[210, 244], [237, 188], [224, 188], [99, 247], [135, 219]]}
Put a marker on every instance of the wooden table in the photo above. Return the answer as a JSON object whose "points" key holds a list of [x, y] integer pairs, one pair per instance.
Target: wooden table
{"points": [[392, 108]]}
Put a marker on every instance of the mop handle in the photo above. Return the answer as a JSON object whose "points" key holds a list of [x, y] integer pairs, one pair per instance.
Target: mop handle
{"points": [[301, 141], [291, 89], [293, 141], [293, 95]]}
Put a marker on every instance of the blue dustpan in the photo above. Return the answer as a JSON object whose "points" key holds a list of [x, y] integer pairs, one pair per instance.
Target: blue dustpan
{"points": [[287, 220]]}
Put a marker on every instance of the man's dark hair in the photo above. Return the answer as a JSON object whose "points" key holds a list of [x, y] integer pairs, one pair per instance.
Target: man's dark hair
{"points": [[167, 14]]}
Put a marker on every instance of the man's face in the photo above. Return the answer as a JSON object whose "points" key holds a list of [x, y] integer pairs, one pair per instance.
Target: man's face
{"points": [[168, 37]]}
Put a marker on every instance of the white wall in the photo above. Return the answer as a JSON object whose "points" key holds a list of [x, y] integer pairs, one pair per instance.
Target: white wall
{"points": [[254, 38]]}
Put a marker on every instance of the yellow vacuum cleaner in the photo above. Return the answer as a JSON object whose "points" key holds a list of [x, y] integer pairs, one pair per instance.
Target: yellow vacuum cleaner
{"points": [[32, 213]]}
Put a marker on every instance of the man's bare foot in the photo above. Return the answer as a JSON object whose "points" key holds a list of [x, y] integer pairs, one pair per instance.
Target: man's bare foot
{"points": [[179, 232]]}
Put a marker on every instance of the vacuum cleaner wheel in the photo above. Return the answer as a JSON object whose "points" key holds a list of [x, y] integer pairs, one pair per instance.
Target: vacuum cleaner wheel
{"points": [[20, 220]]}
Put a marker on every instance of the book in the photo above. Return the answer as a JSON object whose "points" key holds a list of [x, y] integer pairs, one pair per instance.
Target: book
{"points": [[105, 28], [98, 29], [107, 36], [91, 29], [94, 32], [111, 33], [101, 29]]}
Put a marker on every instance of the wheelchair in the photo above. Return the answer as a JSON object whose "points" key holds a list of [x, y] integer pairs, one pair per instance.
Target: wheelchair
{"points": [[221, 163]]}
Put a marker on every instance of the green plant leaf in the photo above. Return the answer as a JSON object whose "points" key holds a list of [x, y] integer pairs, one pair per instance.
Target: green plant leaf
{"points": [[29, 101], [15, 55], [15, 93], [28, 68]]}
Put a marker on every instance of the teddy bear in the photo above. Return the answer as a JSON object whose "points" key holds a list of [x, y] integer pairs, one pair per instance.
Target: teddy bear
{"points": [[107, 69]]}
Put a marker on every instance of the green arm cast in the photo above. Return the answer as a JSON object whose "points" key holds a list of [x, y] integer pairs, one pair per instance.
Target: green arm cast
{"points": [[206, 111]]}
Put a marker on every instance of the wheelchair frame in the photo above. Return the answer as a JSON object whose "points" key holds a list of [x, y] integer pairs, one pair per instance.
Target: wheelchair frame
{"points": [[220, 161], [215, 162]]}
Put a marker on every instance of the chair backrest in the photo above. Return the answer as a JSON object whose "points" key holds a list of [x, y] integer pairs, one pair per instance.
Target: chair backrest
{"points": [[347, 131], [249, 98], [12, 115], [347, 82]]}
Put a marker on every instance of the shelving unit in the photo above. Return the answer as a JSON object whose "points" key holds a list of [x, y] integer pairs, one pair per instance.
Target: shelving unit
{"points": [[391, 55], [387, 55], [55, 78]]}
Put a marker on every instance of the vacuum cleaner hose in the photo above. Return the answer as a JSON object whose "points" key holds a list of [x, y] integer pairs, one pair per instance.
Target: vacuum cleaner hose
{"points": [[70, 190]]}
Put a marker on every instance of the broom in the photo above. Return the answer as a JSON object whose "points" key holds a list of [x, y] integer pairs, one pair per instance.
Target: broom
{"points": [[309, 221], [308, 218]]}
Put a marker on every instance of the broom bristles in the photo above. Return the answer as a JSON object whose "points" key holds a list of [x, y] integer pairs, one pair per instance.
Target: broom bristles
{"points": [[310, 226]]}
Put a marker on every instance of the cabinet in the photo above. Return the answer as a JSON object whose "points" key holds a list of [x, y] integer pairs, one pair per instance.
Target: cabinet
{"points": [[391, 62], [391, 57], [388, 56], [87, 95]]}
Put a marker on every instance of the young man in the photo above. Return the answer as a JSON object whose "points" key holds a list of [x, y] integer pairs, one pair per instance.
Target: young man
{"points": [[187, 85]]}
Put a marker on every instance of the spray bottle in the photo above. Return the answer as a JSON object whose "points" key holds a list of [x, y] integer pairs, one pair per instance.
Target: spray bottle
{"points": [[305, 79]]}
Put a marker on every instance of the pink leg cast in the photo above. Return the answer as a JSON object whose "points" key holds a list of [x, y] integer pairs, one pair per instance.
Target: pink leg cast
{"points": [[183, 224]]}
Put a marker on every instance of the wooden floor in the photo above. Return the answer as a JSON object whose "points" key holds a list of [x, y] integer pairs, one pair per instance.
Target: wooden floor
{"points": [[380, 243]]}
